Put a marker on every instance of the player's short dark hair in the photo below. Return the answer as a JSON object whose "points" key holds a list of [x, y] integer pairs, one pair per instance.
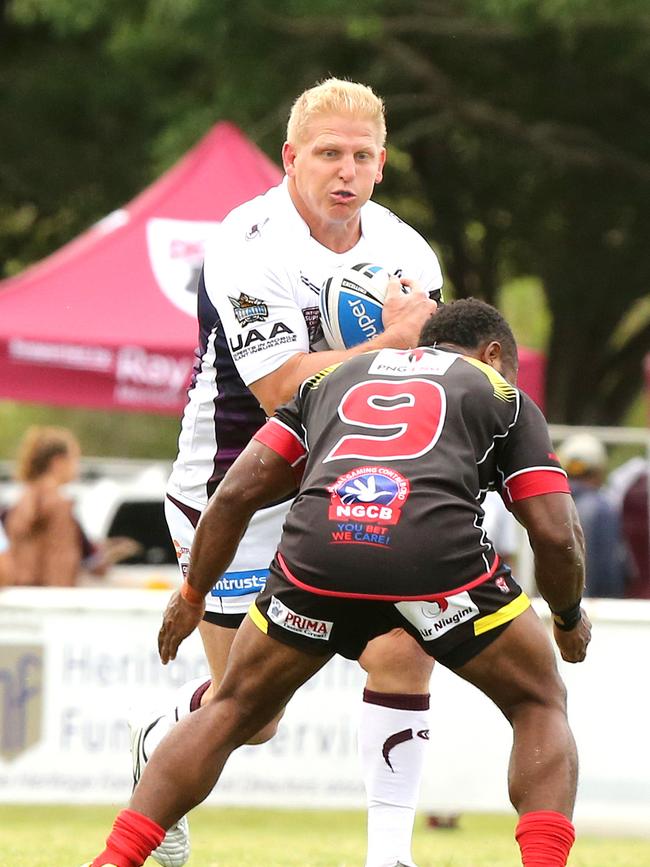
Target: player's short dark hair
{"points": [[469, 323]]}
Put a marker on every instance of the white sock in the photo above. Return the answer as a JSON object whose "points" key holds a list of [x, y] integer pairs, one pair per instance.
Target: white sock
{"points": [[185, 700], [393, 736]]}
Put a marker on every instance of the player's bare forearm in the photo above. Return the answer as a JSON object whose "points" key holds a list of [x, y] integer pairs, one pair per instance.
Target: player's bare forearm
{"points": [[258, 477], [558, 547], [278, 387]]}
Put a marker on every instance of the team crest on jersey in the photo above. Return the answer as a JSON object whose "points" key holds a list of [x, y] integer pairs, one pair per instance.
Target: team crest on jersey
{"points": [[368, 495], [248, 309], [176, 250]]}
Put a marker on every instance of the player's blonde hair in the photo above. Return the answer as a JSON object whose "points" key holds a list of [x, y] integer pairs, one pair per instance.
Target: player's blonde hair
{"points": [[336, 96], [39, 446]]}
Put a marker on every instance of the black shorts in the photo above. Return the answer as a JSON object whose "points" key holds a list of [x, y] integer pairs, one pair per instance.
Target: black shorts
{"points": [[453, 631]]}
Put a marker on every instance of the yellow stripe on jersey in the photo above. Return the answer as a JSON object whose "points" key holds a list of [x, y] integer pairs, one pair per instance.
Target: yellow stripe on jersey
{"points": [[258, 618], [315, 380], [502, 389], [503, 615]]}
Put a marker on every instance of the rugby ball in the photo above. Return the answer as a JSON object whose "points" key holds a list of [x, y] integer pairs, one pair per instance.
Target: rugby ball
{"points": [[350, 304]]}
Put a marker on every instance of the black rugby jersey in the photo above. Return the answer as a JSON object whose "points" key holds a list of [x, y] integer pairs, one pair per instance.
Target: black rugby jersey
{"points": [[401, 446]]}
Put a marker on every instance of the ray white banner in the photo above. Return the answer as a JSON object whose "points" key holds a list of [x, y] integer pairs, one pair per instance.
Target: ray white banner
{"points": [[75, 663]]}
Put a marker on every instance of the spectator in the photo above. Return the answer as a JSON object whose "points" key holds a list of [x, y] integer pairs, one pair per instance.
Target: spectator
{"points": [[48, 546], [629, 484], [585, 460]]}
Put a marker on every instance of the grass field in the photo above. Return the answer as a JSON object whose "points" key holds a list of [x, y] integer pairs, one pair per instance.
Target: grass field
{"points": [[68, 836]]}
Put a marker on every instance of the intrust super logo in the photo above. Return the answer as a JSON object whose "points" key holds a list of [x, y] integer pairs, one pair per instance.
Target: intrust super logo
{"points": [[294, 622], [240, 583], [368, 494], [21, 698]]}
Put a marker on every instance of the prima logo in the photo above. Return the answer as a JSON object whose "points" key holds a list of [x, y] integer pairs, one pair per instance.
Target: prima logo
{"points": [[21, 698], [293, 622]]}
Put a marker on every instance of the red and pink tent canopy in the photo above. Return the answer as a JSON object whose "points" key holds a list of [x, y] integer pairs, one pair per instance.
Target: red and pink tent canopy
{"points": [[108, 321]]}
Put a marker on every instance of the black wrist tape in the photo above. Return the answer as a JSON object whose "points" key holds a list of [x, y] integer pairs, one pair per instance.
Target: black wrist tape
{"points": [[569, 618]]}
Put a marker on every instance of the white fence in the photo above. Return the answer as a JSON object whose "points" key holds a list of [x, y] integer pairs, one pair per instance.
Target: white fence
{"points": [[73, 661]]}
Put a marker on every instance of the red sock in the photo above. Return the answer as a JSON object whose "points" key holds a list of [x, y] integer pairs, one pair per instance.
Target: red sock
{"points": [[545, 838], [132, 840]]}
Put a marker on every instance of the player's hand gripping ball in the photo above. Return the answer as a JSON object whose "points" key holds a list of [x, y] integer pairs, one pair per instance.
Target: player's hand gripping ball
{"points": [[350, 304]]}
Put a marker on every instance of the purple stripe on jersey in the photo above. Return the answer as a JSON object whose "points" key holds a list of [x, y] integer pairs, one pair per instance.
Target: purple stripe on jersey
{"points": [[237, 414]]}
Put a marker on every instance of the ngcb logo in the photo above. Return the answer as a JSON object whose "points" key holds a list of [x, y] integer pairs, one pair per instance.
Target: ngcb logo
{"points": [[368, 494]]}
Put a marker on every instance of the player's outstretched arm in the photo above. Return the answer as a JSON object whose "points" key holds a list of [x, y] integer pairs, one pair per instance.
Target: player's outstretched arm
{"points": [[258, 477], [403, 316], [558, 547]]}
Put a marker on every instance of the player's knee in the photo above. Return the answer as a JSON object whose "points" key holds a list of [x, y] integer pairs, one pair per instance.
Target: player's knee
{"points": [[266, 733], [540, 696], [396, 663]]}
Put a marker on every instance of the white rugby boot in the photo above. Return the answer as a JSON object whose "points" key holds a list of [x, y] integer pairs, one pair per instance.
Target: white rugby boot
{"points": [[174, 850]]}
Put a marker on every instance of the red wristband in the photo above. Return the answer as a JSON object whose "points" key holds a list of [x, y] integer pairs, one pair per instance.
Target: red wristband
{"points": [[190, 595]]}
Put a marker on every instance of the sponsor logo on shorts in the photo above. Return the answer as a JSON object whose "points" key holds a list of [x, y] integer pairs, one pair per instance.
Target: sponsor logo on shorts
{"points": [[367, 495], [502, 584], [240, 583], [433, 619], [298, 623]]}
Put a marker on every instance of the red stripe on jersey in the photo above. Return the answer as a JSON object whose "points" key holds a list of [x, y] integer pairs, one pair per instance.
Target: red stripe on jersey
{"points": [[532, 483], [282, 440], [431, 597]]}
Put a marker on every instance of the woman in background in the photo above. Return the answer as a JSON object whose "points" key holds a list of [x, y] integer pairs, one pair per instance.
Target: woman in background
{"points": [[48, 546]]}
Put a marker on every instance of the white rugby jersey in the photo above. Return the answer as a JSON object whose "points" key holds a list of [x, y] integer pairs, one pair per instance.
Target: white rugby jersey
{"points": [[258, 306]]}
